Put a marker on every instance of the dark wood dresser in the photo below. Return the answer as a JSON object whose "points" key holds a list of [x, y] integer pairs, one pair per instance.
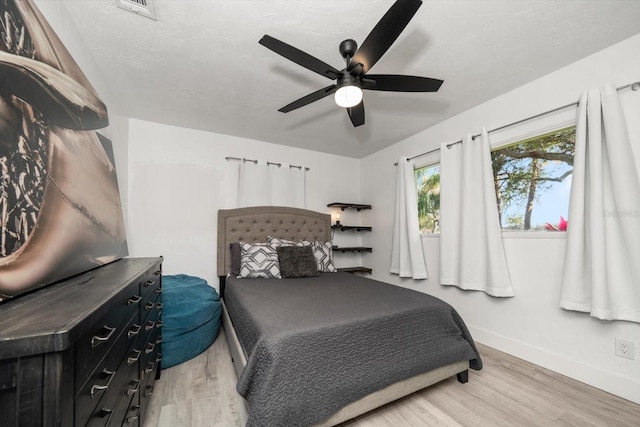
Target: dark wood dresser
{"points": [[85, 351]]}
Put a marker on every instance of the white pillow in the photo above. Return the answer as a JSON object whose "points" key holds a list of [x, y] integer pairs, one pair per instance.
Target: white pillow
{"points": [[323, 252], [281, 242]]}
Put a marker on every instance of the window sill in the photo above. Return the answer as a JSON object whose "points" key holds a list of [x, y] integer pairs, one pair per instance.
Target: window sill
{"points": [[534, 234], [430, 235], [515, 235]]}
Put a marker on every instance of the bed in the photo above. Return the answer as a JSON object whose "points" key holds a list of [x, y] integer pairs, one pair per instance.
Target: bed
{"points": [[322, 350]]}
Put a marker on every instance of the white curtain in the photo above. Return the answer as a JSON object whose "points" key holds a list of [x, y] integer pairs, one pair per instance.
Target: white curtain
{"points": [[471, 252], [407, 258], [263, 184], [602, 262]]}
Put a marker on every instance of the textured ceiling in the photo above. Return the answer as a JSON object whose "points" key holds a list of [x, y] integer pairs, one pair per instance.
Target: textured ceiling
{"points": [[199, 65]]}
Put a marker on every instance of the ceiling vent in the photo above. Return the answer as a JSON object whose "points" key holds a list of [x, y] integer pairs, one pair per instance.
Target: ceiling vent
{"points": [[139, 7]]}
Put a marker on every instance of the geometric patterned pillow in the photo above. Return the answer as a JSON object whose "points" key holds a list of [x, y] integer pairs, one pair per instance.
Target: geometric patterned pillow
{"points": [[259, 260], [280, 242], [323, 252], [283, 242]]}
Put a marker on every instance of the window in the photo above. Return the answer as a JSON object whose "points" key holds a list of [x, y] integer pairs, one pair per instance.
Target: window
{"points": [[532, 179], [428, 188]]}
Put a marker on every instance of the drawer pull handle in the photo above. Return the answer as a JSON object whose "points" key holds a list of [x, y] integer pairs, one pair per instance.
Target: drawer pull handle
{"points": [[134, 299], [134, 359], [131, 419], [159, 357], [158, 290], [149, 348], [157, 272], [134, 390], [148, 306], [149, 367], [149, 325], [159, 305], [159, 324], [159, 339], [135, 330], [98, 388], [149, 283], [96, 340], [105, 412], [149, 391]]}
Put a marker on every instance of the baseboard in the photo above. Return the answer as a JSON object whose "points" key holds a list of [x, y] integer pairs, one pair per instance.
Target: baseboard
{"points": [[627, 388]]}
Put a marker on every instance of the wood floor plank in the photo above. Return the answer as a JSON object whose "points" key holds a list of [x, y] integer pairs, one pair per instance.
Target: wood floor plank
{"points": [[420, 410], [175, 414], [507, 392]]}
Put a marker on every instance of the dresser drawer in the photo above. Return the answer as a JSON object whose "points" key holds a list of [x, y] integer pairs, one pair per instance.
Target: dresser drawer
{"points": [[150, 352], [150, 366], [146, 392], [149, 306], [114, 405], [150, 309], [108, 376], [132, 418], [98, 340], [151, 285], [153, 323]]}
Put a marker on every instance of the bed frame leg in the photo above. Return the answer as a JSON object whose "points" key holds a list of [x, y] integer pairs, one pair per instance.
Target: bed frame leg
{"points": [[222, 285], [463, 377]]}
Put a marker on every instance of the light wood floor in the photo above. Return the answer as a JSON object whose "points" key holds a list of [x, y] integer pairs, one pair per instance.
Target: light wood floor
{"points": [[507, 392]]}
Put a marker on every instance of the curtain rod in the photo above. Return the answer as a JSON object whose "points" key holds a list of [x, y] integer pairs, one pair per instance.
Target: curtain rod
{"points": [[242, 159], [635, 86]]}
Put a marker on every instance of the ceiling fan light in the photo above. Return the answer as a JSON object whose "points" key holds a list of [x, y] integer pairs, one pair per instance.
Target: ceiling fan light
{"points": [[348, 96]]}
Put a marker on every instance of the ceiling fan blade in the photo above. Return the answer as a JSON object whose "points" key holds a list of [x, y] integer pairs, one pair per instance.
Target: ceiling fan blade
{"points": [[384, 33], [356, 114], [300, 57], [312, 97], [399, 83]]}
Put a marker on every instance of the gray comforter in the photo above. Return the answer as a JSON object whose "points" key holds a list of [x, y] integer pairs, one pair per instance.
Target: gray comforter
{"points": [[316, 344]]}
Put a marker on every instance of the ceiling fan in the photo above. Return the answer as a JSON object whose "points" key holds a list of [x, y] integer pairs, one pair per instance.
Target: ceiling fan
{"points": [[351, 80]]}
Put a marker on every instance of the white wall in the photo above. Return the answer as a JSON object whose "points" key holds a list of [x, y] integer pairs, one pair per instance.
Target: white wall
{"points": [[179, 178], [531, 325], [56, 14]]}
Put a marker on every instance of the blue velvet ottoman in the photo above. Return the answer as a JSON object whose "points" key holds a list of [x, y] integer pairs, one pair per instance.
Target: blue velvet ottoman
{"points": [[190, 318]]}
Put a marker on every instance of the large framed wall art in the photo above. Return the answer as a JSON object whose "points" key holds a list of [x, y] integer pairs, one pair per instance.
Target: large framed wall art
{"points": [[60, 209]]}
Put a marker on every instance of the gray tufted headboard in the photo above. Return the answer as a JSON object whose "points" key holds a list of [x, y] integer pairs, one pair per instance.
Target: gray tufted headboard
{"points": [[255, 224]]}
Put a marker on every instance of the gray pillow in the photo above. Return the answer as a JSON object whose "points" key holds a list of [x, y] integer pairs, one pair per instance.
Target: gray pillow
{"points": [[297, 261], [235, 258]]}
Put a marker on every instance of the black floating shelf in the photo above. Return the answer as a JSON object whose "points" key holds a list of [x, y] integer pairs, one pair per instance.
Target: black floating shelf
{"points": [[356, 270], [350, 228], [352, 249], [344, 206]]}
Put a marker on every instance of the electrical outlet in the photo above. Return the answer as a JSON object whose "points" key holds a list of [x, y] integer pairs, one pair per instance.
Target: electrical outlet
{"points": [[625, 349]]}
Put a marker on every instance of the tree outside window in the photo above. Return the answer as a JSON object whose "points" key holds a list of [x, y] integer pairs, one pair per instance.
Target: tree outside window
{"points": [[428, 188], [532, 180]]}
